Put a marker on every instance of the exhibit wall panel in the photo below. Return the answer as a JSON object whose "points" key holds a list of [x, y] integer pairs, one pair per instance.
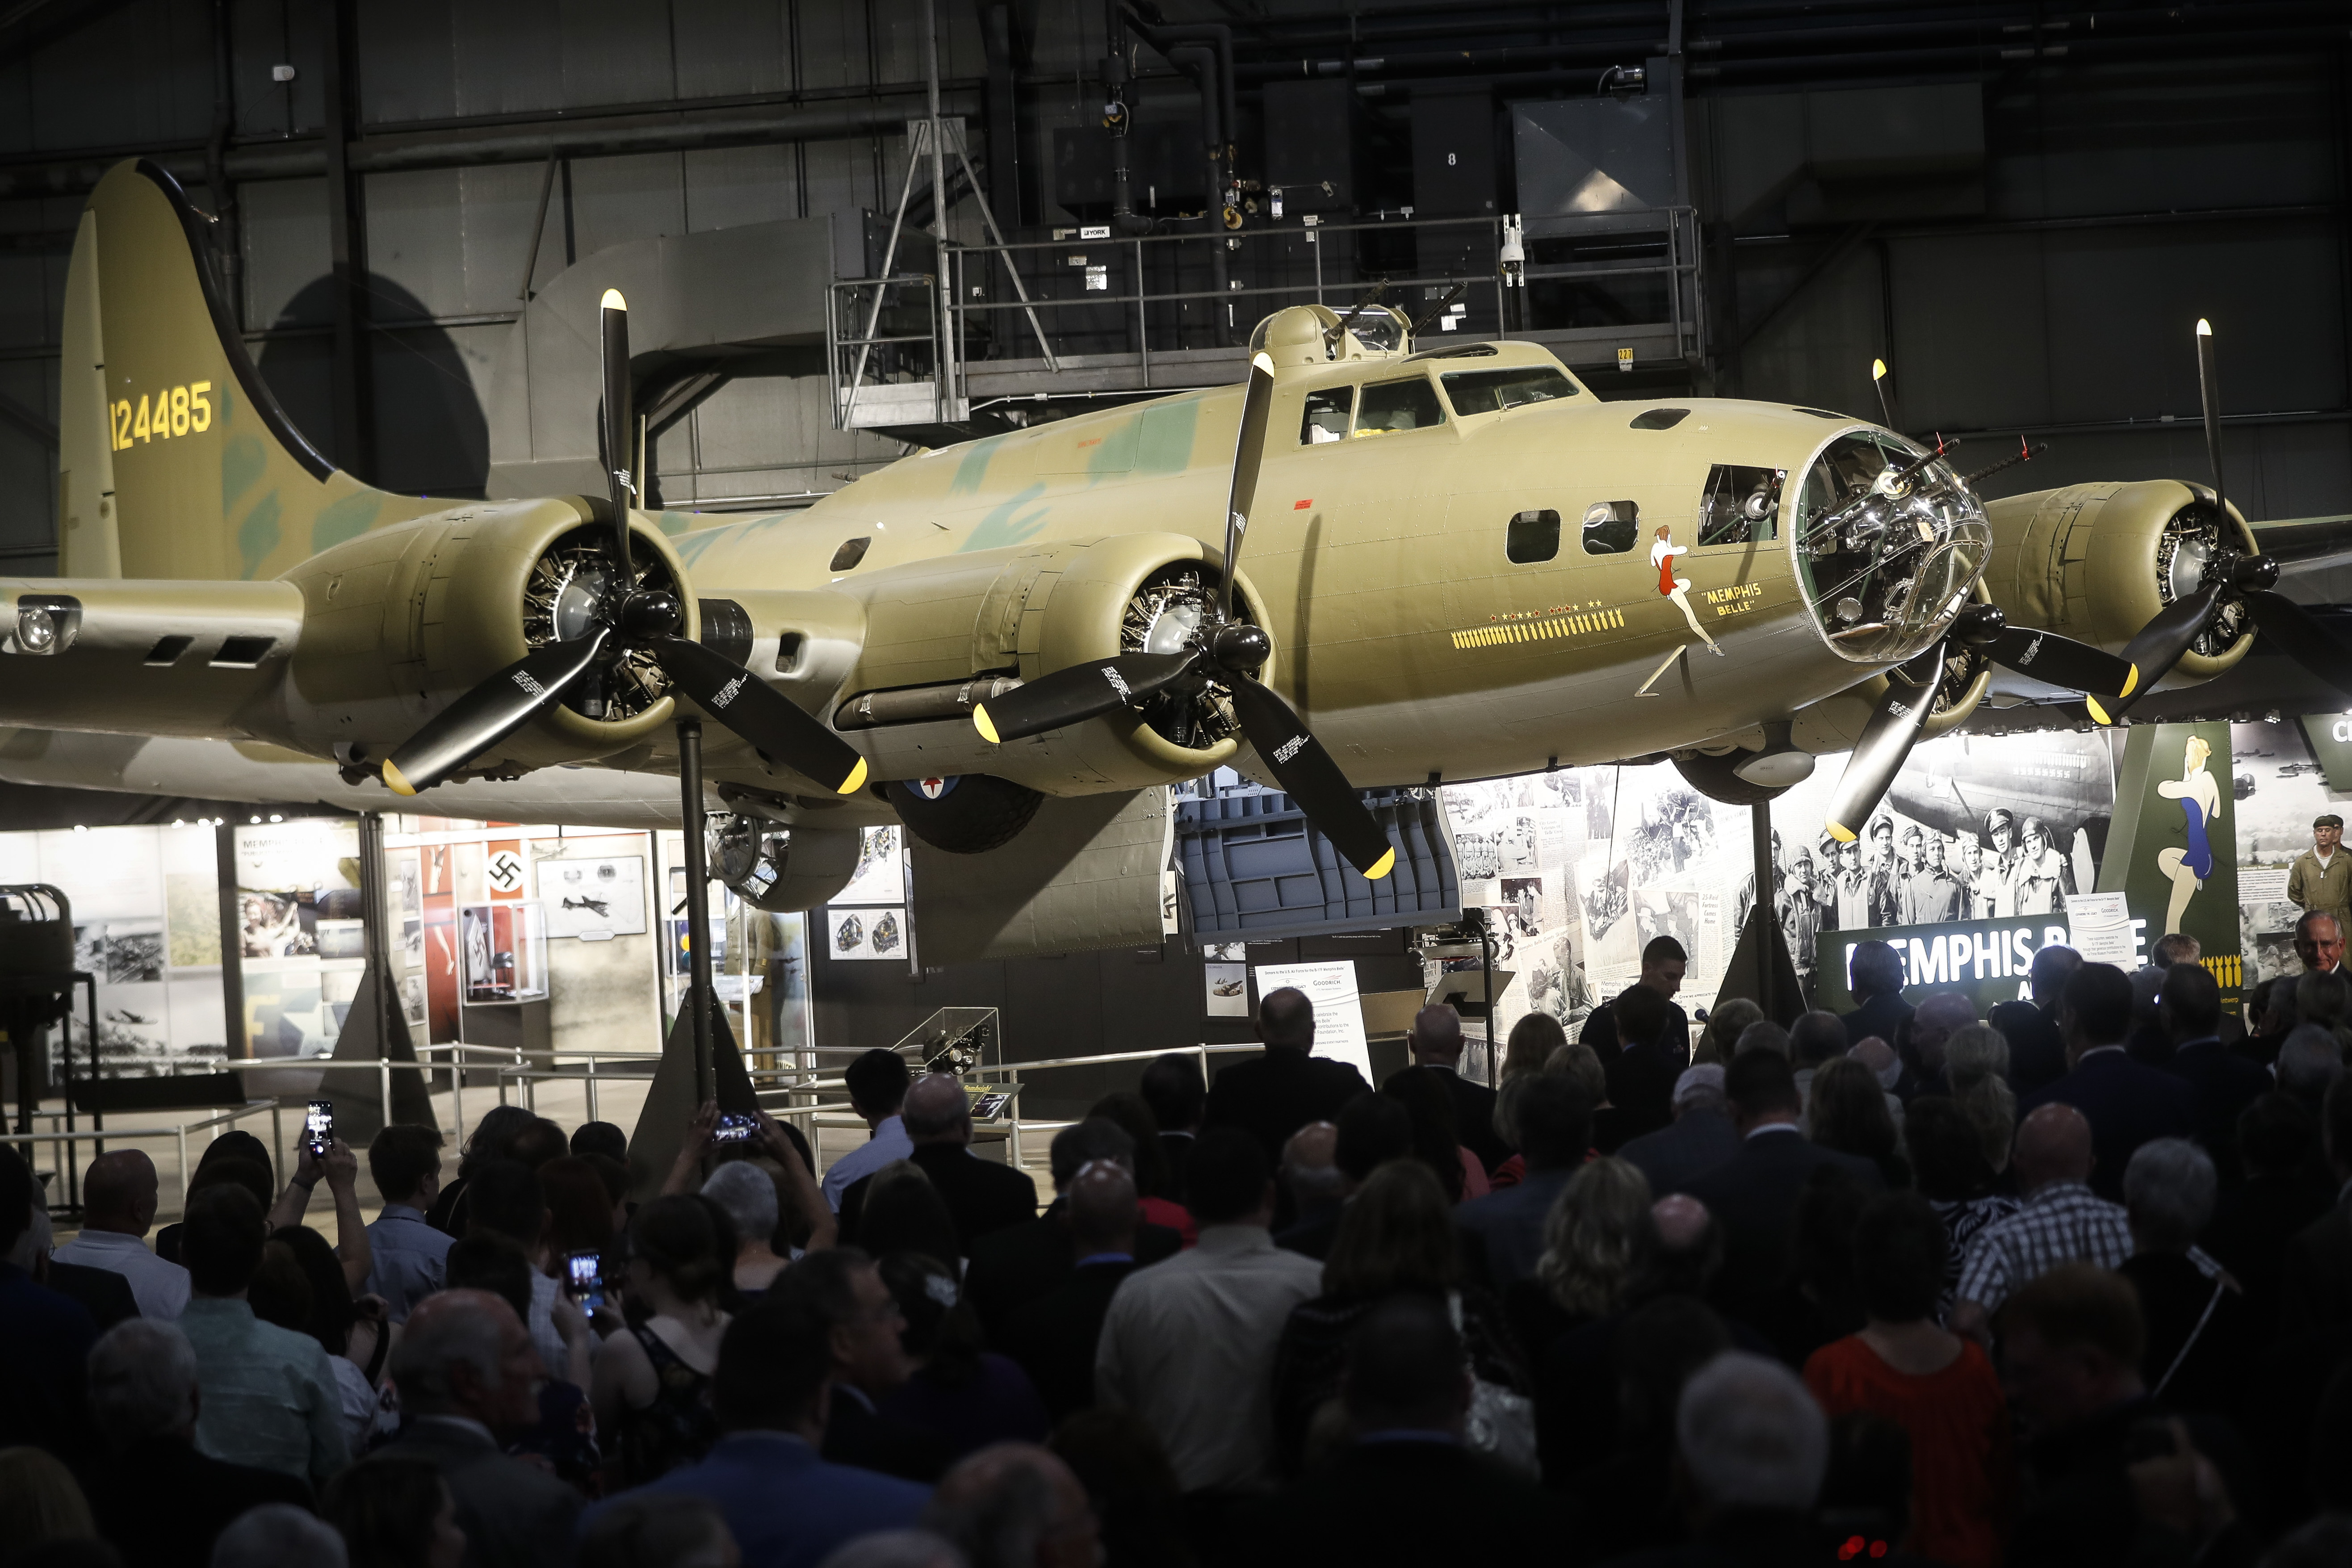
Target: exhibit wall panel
{"points": [[601, 995]]}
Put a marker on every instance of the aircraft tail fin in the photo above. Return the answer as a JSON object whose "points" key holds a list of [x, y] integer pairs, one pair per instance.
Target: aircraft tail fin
{"points": [[174, 459]]}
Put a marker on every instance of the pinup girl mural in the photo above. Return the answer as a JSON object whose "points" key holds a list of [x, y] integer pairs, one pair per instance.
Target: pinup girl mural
{"points": [[2201, 797], [1662, 556]]}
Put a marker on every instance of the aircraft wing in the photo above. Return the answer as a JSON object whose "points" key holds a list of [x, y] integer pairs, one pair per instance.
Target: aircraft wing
{"points": [[2305, 543], [142, 657]]}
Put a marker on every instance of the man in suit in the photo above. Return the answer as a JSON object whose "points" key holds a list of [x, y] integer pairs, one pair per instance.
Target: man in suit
{"points": [[1641, 1071], [839, 1297], [514, 1515], [1555, 1130], [1013, 1267], [1753, 1194], [156, 1499], [1374, 1130], [1272, 1096], [2315, 1274], [981, 1195], [2277, 1141], [1053, 1337], [1406, 1387], [1663, 964], [1700, 1137], [2126, 1102], [1172, 1087], [782, 1502], [2189, 1011], [1436, 1042], [2319, 943], [2037, 1047], [1879, 1008], [1921, 1043]]}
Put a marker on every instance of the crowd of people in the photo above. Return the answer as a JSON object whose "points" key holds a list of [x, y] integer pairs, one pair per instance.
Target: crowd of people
{"points": [[2069, 1285]]}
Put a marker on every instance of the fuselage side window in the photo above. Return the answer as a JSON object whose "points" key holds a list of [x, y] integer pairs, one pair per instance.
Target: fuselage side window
{"points": [[1389, 406], [1327, 416], [1532, 536], [1741, 506], [1610, 527]]}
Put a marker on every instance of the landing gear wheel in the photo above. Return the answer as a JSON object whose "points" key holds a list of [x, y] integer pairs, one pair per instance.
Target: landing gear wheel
{"points": [[974, 814], [1713, 777]]}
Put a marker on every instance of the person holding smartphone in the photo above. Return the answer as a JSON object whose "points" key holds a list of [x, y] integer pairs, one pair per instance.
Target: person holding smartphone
{"points": [[339, 1167]]}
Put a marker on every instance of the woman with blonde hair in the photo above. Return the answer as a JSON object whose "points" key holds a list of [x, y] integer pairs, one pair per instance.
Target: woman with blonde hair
{"points": [[1847, 1111], [1397, 1235], [1976, 1067], [1599, 1231]]}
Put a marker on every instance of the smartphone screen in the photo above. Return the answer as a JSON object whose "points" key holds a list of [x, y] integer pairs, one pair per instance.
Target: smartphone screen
{"points": [[318, 1126], [735, 1129], [586, 1279]]}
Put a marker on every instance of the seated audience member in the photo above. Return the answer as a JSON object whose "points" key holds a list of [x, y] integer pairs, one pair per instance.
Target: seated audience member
{"points": [[1372, 1131], [2071, 1350], [981, 1195], [1939, 1388], [1880, 1058], [1179, 1098], [1397, 1236], [2224, 1083], [2126, 1102], [1576, 1062], [1162, 1201], [505, 1199], [395, 1512], [748, 1196], [466, 1368], [782, 1501], [2309, 1063], [1189, 1343], [1435, 1044], [1975, 1072], [1816, 1039], [1605, 1419], [1764, 1034], [1436, 1142], [1643, 1070], [1923, 1042], [340, 1168], [877, 1083], [1555, 1124], [1753, 1194], [1754, 1447], [1054, 1336], [959, 1393], [1879, 1010], [2252, 1223], [1131, 1485], [101, 1292], [2195, 1315], [280, 1535], [407, 1254], [842, 1293], [355, 1335], [1725, 1024], [1700, 1137], [1015, 1506], [2315, 1274], [2061, 1220], [1311, 1179], [1529, 1046], [1847, 1112], [1274, 1095], [1020, 1264], [158, 1500], [1948, 1161], [649, 1528], [44, 1517], [1819, 1300], [603, 1138], [1404, 1395], [652, 1380], [2037, 1045], [493, 1139], [234, 1156], [900, 1211], [579, 1212], [269, 1396], [1599, 1234], [48, 1335], [118, 1196]]}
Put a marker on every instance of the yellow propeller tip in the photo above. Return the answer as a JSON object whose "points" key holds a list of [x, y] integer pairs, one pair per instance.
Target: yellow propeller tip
{"points": [[1879, 370], [396, 780], [1381, 867], [2097, 712], [612, 300], [2204, 328], [2131, 682], [855, 781], [982, 722], [1841, 833]]}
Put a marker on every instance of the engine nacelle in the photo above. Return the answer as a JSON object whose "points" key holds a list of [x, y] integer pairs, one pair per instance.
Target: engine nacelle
{"points": [[941, 633], [399, 621], [2097, 561]]}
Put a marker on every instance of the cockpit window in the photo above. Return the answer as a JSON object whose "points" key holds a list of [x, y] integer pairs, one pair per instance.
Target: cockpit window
{"points": [[1391, 406], [1327, 416], [1741, 505], [1489, 391]]}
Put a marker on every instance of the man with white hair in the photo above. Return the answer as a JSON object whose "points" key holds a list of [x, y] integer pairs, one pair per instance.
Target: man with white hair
{"points": [[1756, 1447], [1700, 1137], [157, 1499], [2198, 1327], [981, 1195]]}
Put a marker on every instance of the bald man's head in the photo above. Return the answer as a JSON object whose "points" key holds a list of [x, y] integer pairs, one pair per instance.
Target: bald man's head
{"points": [[1933, 1022], [1682, 1221], [1310, 1166], [1436, 1038], [117, 1193], [2053, 1145], [1286, 1019], [1099, 1203], [936, 1109], [1015, 1493]]}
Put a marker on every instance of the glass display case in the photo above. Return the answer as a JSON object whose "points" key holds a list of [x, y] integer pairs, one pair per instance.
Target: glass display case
{"points": [[505, 949]]}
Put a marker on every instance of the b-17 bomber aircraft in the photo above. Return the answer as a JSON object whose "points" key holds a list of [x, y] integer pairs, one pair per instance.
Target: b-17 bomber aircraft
{"points": [[1371, 566]]}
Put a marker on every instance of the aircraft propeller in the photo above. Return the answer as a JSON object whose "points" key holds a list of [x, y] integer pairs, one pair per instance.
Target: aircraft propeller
{"points": [[1225, 654], [628, 619]]}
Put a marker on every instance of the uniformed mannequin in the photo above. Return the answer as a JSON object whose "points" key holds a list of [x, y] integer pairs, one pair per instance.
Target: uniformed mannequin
{"points": [[2320, 881]]}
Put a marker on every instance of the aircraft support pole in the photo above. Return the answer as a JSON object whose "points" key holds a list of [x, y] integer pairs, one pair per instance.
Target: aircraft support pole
{"points": [[1767, 966], [697, 906], [1486, 984]]}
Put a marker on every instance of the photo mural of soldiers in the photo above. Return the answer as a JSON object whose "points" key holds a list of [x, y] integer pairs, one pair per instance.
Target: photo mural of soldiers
{"points": [[1931, 894]]}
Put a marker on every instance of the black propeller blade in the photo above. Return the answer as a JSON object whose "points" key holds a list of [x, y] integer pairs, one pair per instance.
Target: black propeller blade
{"points": [[1080, 692], [1886, 741], [2302, 637], [1301, 766], [772, 723], [613, 320], [2044, 656], [490, 712], [1249, 450], [2208, 394]]}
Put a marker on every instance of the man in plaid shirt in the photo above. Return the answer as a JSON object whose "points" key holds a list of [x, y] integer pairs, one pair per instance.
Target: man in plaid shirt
{"points": [[2062, 1222]]}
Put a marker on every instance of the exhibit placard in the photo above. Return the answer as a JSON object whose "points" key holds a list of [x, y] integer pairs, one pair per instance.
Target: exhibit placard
{"points": [[2101, 925], [1339, 1016]]}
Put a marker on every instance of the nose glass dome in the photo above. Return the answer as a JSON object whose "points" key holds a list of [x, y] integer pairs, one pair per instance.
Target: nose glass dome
{"points": [[1889, 544]]}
